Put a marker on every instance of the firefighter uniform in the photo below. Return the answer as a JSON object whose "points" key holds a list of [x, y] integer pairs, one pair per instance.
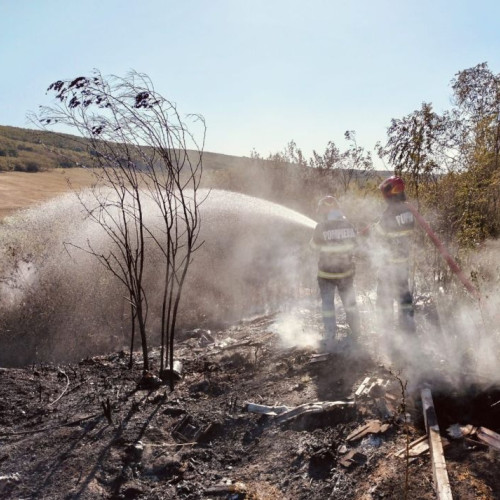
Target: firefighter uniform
{"points": [[335, 239], [395, 229]]}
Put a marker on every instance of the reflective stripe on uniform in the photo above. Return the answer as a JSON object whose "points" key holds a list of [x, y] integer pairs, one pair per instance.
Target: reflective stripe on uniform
{"points": [[331, 276], [393, 234], [406, 306], [345, 248], [400, 260]]}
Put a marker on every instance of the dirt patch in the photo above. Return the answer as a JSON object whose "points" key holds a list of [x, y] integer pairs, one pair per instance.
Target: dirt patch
{"points": [[200, 440], [20, 190]]}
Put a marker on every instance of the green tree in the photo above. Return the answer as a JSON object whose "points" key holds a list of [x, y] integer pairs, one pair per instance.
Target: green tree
{"points": [[329, 161], [476, 134], [415, 145]]}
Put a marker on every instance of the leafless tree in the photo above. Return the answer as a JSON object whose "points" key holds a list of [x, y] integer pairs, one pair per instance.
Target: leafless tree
{"points": [[356, 163], [344, 166], [140, 152]]}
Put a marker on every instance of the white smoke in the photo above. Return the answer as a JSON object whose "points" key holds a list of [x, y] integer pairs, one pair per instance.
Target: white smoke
{"points": [[58, 302], [457, 338], [296, 329]]}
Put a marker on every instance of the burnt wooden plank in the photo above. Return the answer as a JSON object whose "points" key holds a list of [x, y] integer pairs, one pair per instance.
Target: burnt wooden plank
{"points": [[415, 448], [441, 480], [489, 437]]}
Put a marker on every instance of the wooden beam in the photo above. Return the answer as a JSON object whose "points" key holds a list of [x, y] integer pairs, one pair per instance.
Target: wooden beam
{"points": [[489, 437], [415, 448], [441, 481]]}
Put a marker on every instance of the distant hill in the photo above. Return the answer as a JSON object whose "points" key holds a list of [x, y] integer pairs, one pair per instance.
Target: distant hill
{"points": [[22, 150], [28, 150]]}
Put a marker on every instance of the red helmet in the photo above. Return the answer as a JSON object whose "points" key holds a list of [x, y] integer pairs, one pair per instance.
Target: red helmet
{"points": [[392, 186], [327, 204]]}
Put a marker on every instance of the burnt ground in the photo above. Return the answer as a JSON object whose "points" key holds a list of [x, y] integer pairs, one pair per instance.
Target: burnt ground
{"points": [[88, 430]]}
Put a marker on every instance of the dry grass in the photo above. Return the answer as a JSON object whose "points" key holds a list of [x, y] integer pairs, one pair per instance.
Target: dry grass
{"points": [[20, 190]]}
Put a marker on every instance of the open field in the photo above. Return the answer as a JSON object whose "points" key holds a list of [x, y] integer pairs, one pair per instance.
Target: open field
{"points": [[80, 426], [20, 189]]}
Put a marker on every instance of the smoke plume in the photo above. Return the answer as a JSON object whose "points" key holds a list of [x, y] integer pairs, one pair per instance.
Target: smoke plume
{"points": [[58, 303]]}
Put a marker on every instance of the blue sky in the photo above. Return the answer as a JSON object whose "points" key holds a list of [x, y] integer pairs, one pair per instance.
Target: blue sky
{"points": [[262, 72]]}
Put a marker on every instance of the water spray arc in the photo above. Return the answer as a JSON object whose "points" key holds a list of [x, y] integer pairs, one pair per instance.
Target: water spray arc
{"points": [[252, 248]]}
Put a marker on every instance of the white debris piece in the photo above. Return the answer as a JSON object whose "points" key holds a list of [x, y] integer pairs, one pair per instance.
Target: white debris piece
{"points": [[457, 431]]}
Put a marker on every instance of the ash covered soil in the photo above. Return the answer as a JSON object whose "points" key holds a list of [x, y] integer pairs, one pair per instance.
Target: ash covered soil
{"points": [[91, 430]]}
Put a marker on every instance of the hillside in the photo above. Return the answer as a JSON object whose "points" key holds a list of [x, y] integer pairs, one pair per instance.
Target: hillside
{"points": [[19, 146], [25, 150], [20, 190], [30, 150]]}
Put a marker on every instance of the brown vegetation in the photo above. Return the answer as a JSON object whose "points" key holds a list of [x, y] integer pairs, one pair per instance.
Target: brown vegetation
{"points": [[20, 190], [25, 150]]}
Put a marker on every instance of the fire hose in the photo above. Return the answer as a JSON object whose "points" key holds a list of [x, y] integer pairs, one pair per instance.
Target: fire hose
{"points": [[442, 250], [444, 253]]}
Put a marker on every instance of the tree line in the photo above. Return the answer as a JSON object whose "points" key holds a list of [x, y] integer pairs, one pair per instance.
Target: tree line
{"points": [[450, 161]]}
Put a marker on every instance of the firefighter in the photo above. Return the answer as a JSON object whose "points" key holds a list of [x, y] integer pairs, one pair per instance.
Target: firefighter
{"points": [[395, 228], [334, 238]]}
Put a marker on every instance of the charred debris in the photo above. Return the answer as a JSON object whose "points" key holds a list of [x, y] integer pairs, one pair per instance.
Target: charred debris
{"points": [[248, 418]]}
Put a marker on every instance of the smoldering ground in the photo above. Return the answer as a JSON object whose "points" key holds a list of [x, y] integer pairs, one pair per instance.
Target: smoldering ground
{"points": [[58, 303], [457, 341]]}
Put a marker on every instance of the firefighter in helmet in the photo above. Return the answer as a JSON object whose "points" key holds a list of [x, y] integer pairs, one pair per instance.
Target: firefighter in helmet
{"points": [[395, 228], [334, 238]]}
